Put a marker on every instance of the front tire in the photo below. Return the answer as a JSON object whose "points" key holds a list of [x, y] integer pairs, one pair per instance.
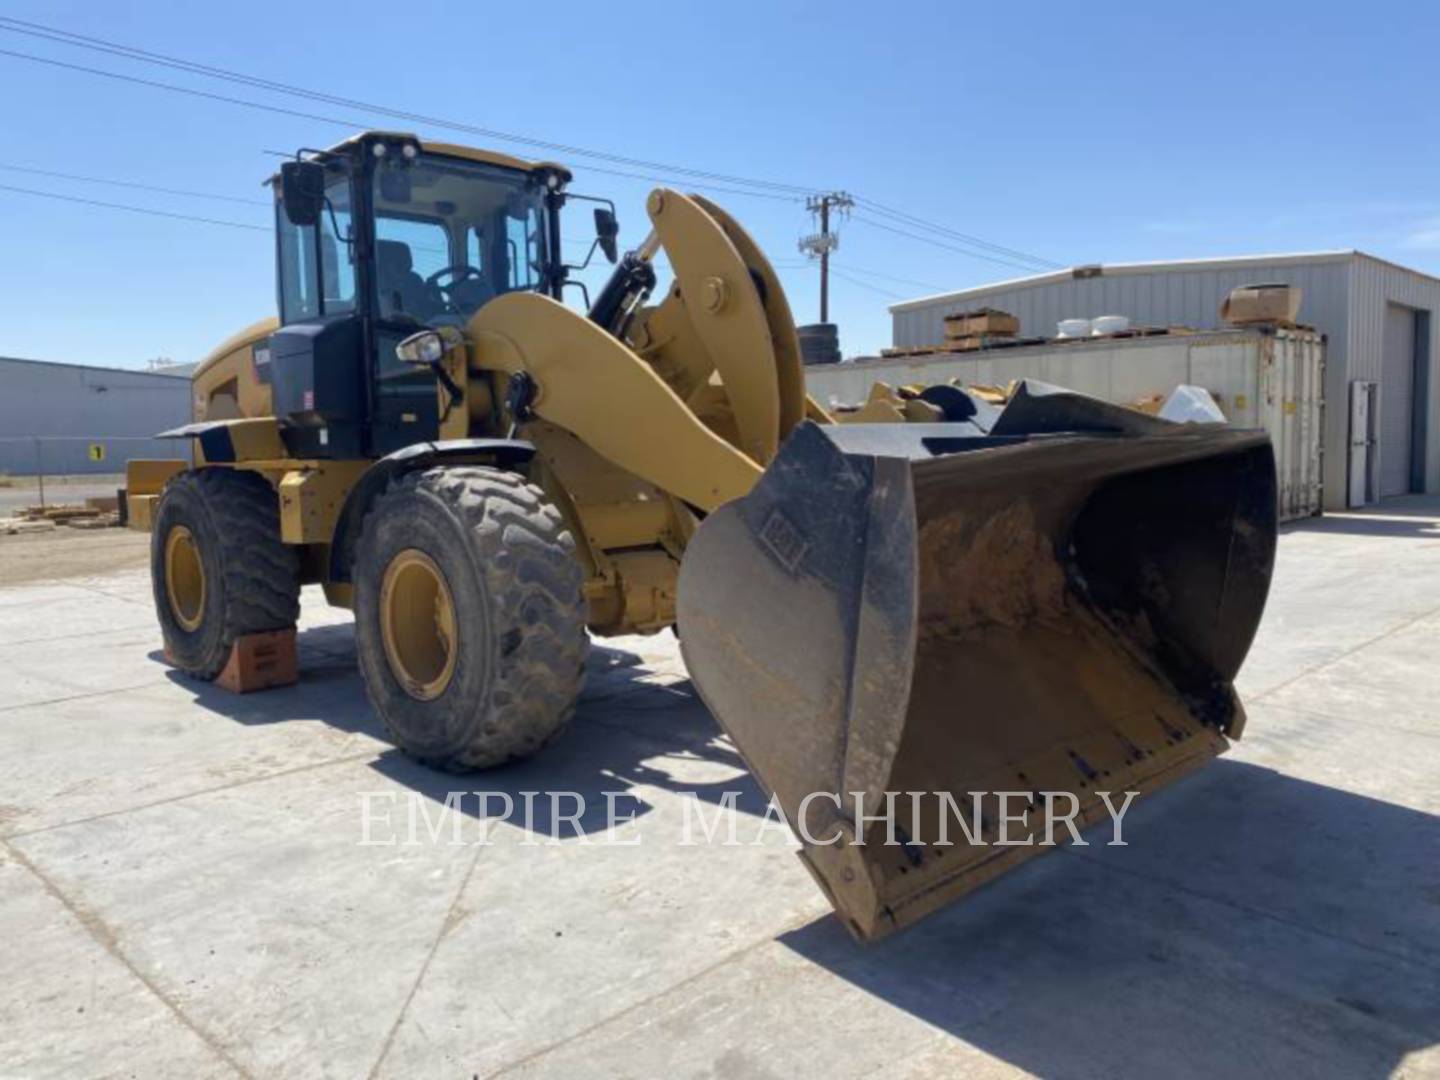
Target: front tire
{"points": [[469, 616], [218, 567]]}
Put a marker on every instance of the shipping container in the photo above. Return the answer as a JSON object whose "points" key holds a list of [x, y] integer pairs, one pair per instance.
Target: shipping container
{"points": [[1261, 378], [1378, 318]]}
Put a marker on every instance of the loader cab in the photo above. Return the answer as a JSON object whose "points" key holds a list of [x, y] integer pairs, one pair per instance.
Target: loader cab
{"points": [[378, 238]]}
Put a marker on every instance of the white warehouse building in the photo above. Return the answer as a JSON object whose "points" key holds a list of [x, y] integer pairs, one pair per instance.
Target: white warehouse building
{"points": [[1376, 317], [62, 418]]}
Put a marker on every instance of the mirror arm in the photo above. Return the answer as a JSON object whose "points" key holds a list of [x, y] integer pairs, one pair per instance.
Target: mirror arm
{"points": [[349, 236], [451, 387], [592, 198], [581, 266], [583, 290]]}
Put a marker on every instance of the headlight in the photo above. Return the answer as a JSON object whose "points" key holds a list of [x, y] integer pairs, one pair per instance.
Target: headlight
{"points": [[424, 347], [428, 346]]}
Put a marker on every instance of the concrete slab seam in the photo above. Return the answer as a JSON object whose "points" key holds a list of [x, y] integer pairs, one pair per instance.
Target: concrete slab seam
{"points": [[77, 697], [347, 759], [103, 936], [440, 932], [534, 1055], [1346, 654]]}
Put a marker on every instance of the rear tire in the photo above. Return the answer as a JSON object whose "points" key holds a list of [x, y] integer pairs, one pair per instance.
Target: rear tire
{"points": [[218, 566], [469, 616]]}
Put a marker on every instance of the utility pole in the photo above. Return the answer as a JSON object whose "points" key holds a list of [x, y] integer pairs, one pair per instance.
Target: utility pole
{"points": [[824, 242]]}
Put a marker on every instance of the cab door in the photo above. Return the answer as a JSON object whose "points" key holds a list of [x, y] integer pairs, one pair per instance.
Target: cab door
{"points": [[405, 407]]}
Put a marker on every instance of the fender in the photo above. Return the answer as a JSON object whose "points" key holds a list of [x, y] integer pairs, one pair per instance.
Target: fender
{"points": [[506, 453], [229, 442]]}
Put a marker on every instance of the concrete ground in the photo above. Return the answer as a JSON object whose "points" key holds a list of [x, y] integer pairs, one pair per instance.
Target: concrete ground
{"points": [[184, 893]]}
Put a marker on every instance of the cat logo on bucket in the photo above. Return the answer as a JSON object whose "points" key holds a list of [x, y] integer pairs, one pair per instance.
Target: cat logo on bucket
{"points": [[97, 451]]}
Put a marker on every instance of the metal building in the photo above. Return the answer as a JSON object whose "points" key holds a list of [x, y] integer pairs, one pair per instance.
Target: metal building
{"points": [[1381, 388], [54, 416]]}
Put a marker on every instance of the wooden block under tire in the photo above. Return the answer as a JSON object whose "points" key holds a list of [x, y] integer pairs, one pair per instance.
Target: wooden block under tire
{"points": [[260, 661]]}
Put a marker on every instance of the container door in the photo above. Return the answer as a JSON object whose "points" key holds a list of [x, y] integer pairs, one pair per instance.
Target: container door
{"points": [[1362, 441], [1310, 355], [1299, 372]]}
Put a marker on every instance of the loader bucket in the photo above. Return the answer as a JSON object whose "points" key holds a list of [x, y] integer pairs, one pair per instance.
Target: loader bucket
{"points": [[1050, 598]]}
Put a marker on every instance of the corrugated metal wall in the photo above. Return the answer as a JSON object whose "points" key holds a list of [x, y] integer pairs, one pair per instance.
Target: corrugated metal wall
{"points": [[1374, 286], [1345, 296], [1180, 297], [50, 414]]}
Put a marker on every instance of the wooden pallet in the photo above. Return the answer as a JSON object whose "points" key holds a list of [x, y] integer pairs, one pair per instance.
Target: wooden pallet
{"points": [[981, 321], [62, 512]]}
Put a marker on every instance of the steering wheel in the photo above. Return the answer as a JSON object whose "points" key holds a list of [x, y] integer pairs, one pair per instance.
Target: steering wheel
{"points": [[458, 272]]}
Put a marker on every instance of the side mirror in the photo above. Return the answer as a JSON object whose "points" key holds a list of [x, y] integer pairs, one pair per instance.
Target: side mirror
{"points": [[607, 228], [302, 188]]}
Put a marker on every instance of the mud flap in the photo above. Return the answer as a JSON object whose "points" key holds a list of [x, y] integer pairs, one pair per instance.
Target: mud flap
{"points": [[1053, 598]]}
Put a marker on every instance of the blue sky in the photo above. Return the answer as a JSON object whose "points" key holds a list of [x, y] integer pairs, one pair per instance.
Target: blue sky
{"points": [[1075, 132]]}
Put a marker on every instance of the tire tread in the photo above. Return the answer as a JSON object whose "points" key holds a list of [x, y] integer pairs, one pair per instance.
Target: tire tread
{"points": [[526, 558]]}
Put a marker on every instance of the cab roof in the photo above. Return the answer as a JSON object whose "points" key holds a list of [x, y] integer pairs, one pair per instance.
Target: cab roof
{"points": [[470, 153]]}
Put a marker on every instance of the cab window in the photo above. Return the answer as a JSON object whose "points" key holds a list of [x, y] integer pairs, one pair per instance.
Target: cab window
{"points": [[299, 272], [482, 225], [522, 239], [337, 254], [317, 262]]}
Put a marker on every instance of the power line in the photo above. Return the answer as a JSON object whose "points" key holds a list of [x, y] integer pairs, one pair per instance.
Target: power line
{"points": [[850, 269], [571, 242], [1030, 268], [82, 41], [180, 89], [136, 186], [134, 209], [765, 188], [961, 242], [348, 123], [865, 284], [847, 272], [955, 234], [574, 243]]}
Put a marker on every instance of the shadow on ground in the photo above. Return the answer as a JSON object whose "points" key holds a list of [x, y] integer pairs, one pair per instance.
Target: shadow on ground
{"points": [[1414, 526], [627, 720], [1415, 516], [1256, 925]]}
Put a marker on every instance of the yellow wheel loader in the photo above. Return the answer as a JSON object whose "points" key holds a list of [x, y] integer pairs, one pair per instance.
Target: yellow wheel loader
{"points": [[946, 598]]}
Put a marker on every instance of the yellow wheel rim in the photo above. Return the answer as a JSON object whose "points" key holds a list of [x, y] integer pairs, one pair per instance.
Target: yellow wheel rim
{"points": [[417, 624], [184, 578]]}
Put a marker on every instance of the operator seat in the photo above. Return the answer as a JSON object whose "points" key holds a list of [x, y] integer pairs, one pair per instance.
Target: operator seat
{"points": [[403, 291]]}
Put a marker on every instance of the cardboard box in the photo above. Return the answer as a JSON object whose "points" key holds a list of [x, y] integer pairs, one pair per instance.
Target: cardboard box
{"points": [[987, 321], [1262, 304]]}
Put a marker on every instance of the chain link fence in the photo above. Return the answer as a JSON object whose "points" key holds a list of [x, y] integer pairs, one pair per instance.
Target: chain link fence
{"points": [[42, 470]]}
